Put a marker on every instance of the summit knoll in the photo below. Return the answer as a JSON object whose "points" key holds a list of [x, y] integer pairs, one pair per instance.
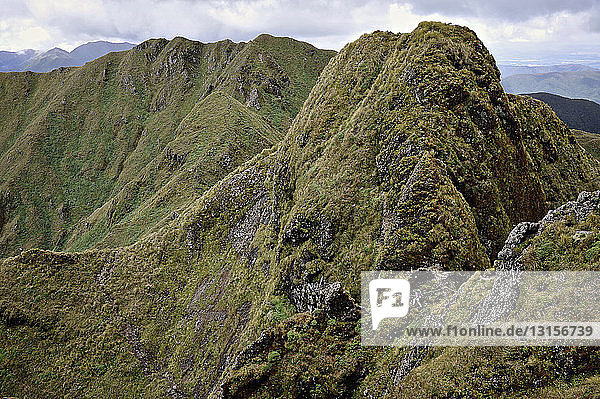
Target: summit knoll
{"points": [[406, 154]]}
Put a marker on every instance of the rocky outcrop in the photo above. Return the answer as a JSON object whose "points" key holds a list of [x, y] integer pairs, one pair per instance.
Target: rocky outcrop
{"points": [[579, 210], [573, 212]]}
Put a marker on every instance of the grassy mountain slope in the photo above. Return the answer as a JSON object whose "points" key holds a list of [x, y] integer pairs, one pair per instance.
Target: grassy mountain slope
{"points": [[580, 84], [406, 154], [452, 198], [589, 141], [218, 135], [567, 238], [75, 138], [554, 150]]}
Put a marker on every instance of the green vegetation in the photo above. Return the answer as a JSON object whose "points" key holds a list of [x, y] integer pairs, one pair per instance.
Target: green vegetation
{"points": [[216, 136], [554, 151], [85, 152], [589, 141], [407, 153]]}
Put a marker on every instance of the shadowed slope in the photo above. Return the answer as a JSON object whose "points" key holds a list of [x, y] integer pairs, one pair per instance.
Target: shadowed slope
{"points": [[577, 114]]}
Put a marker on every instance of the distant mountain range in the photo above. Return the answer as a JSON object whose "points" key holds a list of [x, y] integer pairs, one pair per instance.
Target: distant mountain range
{"points": [[37, 61], [509, 70], [12, 61], [575, 84], [575, 113]]}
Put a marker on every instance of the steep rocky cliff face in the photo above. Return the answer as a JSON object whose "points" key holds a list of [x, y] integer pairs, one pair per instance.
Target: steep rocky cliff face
{"points": [[406, 154]]}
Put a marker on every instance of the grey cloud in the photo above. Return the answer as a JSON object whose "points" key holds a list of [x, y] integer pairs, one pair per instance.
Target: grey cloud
{"points": [[13, 8], [206, 20], [594, 20], [513, 10]]}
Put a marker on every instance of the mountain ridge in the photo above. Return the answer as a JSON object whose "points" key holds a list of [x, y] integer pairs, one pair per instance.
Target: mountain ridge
{"points": [[126, 107], [509, 70]]}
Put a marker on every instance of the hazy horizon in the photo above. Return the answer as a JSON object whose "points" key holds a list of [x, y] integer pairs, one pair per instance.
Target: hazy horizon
{"points": [[595, 61]]}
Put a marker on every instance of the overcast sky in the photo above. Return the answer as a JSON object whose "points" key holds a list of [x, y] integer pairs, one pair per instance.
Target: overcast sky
{"points": [[528, 31]]}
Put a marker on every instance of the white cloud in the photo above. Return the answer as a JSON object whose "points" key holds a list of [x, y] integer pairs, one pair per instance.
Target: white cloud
{"points": [[502, 24], [22, 33]]}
